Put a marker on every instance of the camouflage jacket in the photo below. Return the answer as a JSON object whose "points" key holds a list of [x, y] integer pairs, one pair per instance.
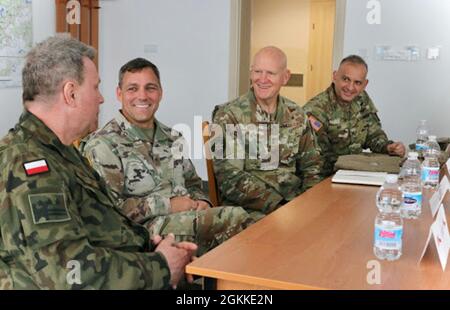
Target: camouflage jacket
{"points": [[55, 217], [345, 128], [142, 174], [263, 182]]}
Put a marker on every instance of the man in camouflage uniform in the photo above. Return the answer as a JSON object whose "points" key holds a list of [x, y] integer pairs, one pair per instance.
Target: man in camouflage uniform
{"points": [[264, 182], [146, 174], [58, 227], [345, 118]]}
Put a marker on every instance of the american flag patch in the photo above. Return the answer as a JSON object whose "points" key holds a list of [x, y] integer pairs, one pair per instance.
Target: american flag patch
{"points": [[315, 124], [36, 167]]}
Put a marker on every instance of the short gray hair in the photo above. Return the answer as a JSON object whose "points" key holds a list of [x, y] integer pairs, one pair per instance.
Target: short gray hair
{"points": [[355, 59], [51, 62]]}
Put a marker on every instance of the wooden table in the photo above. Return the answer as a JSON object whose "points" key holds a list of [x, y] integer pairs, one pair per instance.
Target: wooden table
{"points": [[323, 239]]}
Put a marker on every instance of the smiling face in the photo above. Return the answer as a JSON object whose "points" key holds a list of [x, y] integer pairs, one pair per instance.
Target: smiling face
{"points": [[140, 93], [268, 75], [349, 81]]}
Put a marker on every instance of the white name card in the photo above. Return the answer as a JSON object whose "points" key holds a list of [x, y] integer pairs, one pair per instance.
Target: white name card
{"points": [[439, 232], [439, 195]]}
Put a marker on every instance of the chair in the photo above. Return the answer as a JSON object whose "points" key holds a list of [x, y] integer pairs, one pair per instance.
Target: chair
{"points": [[212, 183], [77, 143]]}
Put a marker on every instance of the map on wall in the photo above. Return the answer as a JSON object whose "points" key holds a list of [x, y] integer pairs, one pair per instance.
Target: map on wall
{"points": [[16, 38]]}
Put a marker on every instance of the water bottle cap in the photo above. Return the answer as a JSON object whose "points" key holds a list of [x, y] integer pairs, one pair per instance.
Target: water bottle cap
{"points": [[391, 178], [432, 138], [413, 155]]}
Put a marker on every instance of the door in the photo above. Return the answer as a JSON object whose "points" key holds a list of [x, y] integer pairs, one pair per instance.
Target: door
{"points": [[320, 54], [87, 29]]}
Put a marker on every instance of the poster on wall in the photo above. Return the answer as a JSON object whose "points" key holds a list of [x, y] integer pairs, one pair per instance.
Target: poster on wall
{"points": [[16, 36]]}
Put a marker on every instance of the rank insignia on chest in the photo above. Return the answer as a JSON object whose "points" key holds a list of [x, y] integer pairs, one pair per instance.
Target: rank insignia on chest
{"points": [[36, 167], [315, 124]]}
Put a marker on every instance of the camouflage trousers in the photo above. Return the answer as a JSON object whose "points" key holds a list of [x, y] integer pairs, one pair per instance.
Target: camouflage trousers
{"points": [[6, 282], [207, 228], [255, 215]]}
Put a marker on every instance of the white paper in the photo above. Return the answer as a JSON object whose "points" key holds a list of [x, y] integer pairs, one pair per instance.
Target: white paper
{"points": [[359, 177], [444, 186], [434, 203], [438, 196], [441, 236], [426, 245]]}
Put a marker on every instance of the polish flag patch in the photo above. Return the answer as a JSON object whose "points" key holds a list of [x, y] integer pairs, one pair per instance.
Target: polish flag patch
{"points": [[36, 167]]}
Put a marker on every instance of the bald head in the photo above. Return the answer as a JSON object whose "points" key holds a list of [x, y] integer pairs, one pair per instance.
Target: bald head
{"points": [[273, 53], [268, 74]]}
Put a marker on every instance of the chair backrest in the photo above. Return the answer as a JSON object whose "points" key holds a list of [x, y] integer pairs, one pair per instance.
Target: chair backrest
{"points": [[212, 183], [77, 143]]}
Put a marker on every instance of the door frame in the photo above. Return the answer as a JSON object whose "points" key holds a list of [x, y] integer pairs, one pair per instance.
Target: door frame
{"points": [[240, 31], [339, 32]]}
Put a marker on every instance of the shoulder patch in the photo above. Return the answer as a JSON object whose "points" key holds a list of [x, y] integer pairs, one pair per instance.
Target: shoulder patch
{"points": [[315, 124], [36, 167], [48, 208]]}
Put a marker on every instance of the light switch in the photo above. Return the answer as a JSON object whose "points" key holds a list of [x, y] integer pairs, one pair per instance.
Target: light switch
{"points": [[433, 53]]}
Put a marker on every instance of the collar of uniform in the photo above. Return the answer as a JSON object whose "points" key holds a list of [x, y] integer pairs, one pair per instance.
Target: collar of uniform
{"points": [[46, 136], [133, 132], [137, 134], [164, 133], [332, 95], [278, 112]]}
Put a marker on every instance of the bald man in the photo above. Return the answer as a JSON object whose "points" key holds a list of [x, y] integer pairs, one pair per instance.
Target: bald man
{"points": [[265, 153]]}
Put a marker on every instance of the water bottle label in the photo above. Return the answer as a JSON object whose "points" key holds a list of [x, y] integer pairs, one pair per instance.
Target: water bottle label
{"points": [[430, 174], [421, 147], [388, 239], [412, 201]]}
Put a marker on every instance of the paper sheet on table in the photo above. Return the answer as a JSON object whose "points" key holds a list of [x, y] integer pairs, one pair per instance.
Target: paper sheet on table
{"points": [[359, 177]]}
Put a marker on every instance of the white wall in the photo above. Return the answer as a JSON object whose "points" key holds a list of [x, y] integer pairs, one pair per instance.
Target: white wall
{"points": [[405, 92], [189, 42], [11, 98]]}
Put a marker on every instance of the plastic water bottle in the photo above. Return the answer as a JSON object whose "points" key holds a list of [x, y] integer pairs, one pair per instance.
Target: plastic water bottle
{"points": [[430, 164], [422, 137], [388, 222], [411, 186]]}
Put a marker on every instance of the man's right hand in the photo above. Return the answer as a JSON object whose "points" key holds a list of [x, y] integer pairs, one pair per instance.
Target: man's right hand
{"points": [[182, 203], [178, 255], [396, 148]]}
